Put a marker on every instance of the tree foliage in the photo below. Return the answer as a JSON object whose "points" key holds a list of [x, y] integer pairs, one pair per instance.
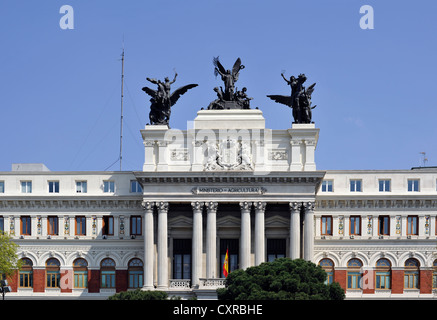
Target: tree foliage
{"points": [[9, 262], [282, 279], [139, 295]]}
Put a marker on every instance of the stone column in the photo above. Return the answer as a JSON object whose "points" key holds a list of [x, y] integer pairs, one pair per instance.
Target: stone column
{"points": [[197, 247], [211, 238], [260, 254], [245, 235], [295, 230], [148, 245], [309, 231], [162, 245]]}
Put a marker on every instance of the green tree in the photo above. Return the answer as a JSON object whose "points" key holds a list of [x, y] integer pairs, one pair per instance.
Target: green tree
{"points": [[9, 262], [282, 279], [139, 295]]}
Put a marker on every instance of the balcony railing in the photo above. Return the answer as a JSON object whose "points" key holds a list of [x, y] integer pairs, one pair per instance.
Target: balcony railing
{"points": [[204, 283]]}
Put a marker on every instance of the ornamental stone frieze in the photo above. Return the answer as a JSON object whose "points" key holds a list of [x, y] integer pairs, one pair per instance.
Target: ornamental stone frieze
{"points": [[73, 204]]}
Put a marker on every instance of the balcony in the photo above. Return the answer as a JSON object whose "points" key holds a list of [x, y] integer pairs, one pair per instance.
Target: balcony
{"points": [[204, 284]]}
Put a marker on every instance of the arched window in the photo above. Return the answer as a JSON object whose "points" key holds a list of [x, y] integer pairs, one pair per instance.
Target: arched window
{"points": [[411, 274], [135, 273], [434, 275], [107, 273], [26, 273], [383, 274], [80, 269], [328, 266], [354, 274], [53, 274]]}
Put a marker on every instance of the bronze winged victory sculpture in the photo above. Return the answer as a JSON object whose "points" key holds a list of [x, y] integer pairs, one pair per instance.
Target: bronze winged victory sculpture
{"points": [[162, 100], [299, 100], [230, 97]]}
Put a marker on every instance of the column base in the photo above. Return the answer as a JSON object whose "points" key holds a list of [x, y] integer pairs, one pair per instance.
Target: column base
{"points": [[148, 288], [162, 288]]}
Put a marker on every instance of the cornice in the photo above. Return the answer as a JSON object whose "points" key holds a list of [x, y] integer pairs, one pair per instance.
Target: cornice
{"points": [[119, 203], [313, 177]]}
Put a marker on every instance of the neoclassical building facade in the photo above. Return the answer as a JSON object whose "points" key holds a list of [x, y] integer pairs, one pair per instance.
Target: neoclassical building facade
{"points": [[227, 183]]}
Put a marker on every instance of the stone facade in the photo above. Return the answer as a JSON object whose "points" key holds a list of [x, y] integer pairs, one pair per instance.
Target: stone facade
{"points": [[226, 182]]}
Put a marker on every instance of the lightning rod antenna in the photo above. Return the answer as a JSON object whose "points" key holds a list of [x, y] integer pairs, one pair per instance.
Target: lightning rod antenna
{"points": [[121, 117]]}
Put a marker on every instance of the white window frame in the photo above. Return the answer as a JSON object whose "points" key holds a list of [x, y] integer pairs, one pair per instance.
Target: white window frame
{"points": [[26, 186], [384, 185], [353, 182], [108, 186], [52, 186], [81, 186], [328, 184]]}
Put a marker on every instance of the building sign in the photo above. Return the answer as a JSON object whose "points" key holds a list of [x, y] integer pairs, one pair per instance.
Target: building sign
{"points": [[228, 190]]}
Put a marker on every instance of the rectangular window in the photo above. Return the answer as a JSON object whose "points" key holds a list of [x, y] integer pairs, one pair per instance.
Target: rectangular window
{"points": [[107, 279], [80, 226], [384, 185], [135, 225], [108, 226], [2, 225], [25, 226], [26, 186], [233, 246], [275, 249], [354, 280], [355, 225], [108, 186], [355, 186], [136, 279], [412, 225], [53, 186], [2, 187], [26, 279], [81, 186], [135, 187], [80, 279], [383, 280], [413, 185], [384, 225], [327, 186], [182, 258], [326, 226], [52, 226], [411, 280], [53, 279]]}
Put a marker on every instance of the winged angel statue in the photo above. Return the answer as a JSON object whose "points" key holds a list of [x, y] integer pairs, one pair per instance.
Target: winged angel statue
{"points": [[299, 100], [230, 97], [162, 100]]}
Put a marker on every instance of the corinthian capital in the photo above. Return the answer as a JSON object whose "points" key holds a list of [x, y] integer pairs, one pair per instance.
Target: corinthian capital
{"points": [[309, 206], [147, 206], [295, 206], [260, 206], [211, 206], [245, 206], [197, 206], [162, 206]]}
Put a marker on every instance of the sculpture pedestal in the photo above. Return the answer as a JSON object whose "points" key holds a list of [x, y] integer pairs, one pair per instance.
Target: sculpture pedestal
{"points": [[154, 145], [304, 137]]}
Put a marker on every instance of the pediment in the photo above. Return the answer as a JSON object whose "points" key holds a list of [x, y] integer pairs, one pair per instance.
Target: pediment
{"points": [[277, 222], [180, 222], [229, 221]]}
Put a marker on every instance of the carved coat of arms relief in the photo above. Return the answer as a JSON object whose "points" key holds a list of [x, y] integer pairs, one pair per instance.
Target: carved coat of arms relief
{"points": [[229, 154]]}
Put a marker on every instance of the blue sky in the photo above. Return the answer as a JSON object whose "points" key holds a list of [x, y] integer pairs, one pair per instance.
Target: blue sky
{"points": [[376, 91]]}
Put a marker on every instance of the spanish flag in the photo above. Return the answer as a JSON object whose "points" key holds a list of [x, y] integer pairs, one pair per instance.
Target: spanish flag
{"points": [[226, 264]]}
